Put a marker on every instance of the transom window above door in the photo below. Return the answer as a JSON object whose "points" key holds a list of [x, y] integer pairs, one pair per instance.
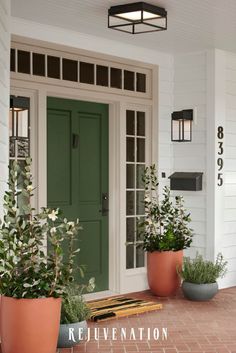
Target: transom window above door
{"points": [[70, 69]]}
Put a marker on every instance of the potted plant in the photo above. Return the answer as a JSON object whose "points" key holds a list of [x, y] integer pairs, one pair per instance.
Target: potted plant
{"points": [[32, 279], [74, 313], [200, 277], [166, 233]]}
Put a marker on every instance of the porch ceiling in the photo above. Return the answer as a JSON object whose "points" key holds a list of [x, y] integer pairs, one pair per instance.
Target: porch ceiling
{"points": [[192, 24]]}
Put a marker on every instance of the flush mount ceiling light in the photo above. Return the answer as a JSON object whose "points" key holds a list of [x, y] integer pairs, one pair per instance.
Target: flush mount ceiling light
{"points": [[138, 17]]}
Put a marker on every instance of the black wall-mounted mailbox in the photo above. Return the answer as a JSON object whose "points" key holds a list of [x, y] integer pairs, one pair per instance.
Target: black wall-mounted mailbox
{"points": [[186, 181]]}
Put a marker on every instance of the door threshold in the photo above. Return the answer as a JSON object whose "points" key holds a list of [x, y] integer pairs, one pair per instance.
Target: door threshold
{"points": [[99, 295]]}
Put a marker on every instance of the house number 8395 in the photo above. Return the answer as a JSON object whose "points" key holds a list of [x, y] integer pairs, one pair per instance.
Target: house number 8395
{"points": [[220, 161]]}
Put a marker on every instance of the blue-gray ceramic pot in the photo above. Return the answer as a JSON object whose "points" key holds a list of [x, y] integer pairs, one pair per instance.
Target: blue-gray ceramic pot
{"points": [[69, 334], [199, 292]]}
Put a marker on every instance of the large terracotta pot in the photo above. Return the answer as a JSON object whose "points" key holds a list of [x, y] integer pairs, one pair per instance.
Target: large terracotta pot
{"points": [[162, 274], [30, 325]]}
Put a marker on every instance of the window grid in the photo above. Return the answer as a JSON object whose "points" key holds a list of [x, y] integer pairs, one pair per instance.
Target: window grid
{"points": [[135, 188], [135, 88]]}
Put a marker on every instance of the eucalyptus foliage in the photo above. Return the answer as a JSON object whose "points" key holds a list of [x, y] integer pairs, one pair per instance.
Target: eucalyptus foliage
{"points": [[166, 223], [27, 269], [74, 308], [201, 271]]}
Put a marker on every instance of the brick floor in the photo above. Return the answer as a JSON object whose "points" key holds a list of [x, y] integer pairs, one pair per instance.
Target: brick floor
{"points": [[208, 327]]}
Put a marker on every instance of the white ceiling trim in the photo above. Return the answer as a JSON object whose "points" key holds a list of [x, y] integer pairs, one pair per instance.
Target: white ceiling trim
{"points": [[57, 35]]}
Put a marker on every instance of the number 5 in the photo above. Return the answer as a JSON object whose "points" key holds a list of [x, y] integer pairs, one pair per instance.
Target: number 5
{"points": [[220, 179]]}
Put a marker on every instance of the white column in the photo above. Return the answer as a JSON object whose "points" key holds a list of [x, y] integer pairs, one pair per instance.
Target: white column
{"points": [[216, 116], [4, 93]]}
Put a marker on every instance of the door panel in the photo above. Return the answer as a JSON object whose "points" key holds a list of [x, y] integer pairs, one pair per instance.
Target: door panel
{"points": [[78, 176], [59, 125]]}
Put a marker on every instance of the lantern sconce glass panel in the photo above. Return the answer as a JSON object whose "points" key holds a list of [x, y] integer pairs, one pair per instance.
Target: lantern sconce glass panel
{"points": [[181, 125]]}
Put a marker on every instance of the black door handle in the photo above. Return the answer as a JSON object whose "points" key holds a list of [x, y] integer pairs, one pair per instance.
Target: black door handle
{"points": [[105, 204], [75, 140]]}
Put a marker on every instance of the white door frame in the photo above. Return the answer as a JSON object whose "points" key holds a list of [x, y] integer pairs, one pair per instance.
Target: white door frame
{"points": [[38, 92]]}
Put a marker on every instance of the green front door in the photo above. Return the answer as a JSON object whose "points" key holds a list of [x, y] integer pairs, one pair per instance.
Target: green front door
{"points": [[77, 177]]}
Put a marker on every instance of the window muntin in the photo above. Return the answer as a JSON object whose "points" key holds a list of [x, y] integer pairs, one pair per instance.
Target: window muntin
{"points": [[135, 164]]}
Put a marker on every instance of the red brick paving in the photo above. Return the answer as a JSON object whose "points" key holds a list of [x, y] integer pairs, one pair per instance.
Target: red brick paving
{"points": [[207, 327]]}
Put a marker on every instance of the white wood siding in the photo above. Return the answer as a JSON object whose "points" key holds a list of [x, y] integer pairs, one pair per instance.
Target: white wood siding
{"points": [[4, 93], [189, 93], [229, 236]]}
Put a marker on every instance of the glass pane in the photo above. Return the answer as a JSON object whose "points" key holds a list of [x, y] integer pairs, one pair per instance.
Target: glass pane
{"points": [[70, 70], [38, 64], [139, 220], [86, 73], [130, 149], [141, 82], [53, 67], [139, 176], [130, 176], [13, 60], [130, 229], [130, 129], [12, 147], [129, 256], [22, 123], [22, 164], [140, 123], [175, 126], [129, 80], [102, 75], [140, 150], [130, 207], [116, 75], [11, 123], [139, 256], [187, 130], [23, 61], [22, 148], [140, 210]]}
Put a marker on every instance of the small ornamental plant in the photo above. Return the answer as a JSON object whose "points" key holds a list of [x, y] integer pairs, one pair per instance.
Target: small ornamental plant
{"points": [[27, 268], [74, 308], [202, 271], [166, 223]]}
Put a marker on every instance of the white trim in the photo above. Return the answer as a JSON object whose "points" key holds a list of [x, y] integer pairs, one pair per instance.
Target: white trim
{"points": [[58, 35], [99, 295]]}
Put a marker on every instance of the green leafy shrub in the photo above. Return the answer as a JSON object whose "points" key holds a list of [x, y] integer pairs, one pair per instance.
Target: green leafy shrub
{"points": [[165, 226], [74, 309], [201, 271], [27, 270]]}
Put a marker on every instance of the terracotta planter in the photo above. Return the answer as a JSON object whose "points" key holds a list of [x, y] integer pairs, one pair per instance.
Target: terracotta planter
{"points": [[163, 279], [29, 325]]}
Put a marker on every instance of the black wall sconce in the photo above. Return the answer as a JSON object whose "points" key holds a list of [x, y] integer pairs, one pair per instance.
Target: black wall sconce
{"points": [[19, 127], [181, 125], [138, 17]]}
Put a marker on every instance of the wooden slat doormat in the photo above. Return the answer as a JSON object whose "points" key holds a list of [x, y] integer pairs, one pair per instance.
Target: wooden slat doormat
{"points": [[112, 308]]}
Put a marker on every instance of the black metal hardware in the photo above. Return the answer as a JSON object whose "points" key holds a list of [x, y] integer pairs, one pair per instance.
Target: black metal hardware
{"points": [[105, 204], [186, 181], [181, 125], [131, 18], [75, 140]]}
